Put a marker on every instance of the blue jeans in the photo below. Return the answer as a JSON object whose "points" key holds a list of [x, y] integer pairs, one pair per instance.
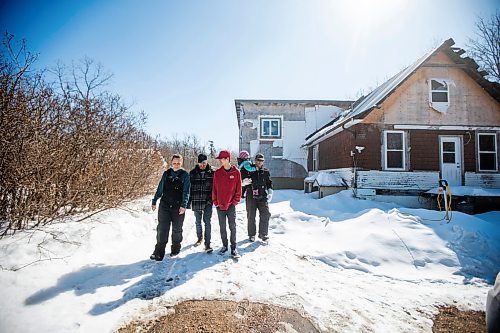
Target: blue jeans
{"points": [[206, 215]]}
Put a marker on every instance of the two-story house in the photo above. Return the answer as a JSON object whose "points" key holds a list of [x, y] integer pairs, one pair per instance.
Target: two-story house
{"points": [[277, 128]]}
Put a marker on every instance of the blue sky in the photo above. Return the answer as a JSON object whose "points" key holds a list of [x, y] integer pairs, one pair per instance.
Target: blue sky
{"points": [[184, 62]]}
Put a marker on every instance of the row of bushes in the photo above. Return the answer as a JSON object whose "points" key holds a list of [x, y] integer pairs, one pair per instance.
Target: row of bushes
{"points": [[67, 145]]}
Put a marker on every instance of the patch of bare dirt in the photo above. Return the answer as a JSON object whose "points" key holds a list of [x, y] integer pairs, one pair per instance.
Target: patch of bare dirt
{"points": [[452, 320], [212, 316]]}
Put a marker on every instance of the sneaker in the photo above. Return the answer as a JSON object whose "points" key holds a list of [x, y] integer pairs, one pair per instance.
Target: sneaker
{"points": [[223, 250], [264, 237], [208, 249], [198, 242], [156, 257], [235, 254], [251, 238], [173, 254]]}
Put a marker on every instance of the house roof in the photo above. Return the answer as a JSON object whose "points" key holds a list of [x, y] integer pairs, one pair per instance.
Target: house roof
{"points": [[366, 104], [239, 103]]}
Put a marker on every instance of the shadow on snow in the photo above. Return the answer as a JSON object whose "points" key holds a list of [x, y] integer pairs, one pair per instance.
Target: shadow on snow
{"points": [[156, 278]]}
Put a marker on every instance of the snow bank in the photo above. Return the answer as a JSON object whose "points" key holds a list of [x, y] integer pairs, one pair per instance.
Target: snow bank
{"points": [[350, 265]]}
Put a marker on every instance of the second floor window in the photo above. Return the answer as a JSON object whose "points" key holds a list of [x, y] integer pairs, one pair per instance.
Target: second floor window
{"points": [[439, 91], [270, 128]]}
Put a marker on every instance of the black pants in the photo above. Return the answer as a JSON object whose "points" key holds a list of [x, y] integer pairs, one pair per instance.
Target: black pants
{"points": [[252, 205], [168, 216], [230, 214]]}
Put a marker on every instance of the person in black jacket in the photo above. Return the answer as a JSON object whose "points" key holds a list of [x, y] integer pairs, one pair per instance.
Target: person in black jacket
{"points": [[174, 193], [259, 194], [200, 199]]}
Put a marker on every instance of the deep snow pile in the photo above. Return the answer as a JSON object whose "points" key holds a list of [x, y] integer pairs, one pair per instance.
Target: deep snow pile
{"points": [[348, 264]]}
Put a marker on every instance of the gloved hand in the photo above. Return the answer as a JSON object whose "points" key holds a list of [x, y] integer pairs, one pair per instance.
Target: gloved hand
{"points": [[269, 195], [246, 181]]}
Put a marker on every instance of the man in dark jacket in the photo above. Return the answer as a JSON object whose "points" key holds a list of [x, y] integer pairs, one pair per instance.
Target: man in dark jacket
{"points": [[174, 193], [226, 193], [201, 199], [259, 193]]}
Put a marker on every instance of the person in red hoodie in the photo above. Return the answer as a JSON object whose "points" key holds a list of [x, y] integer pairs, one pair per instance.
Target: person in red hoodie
{"points": [[226, 193]]}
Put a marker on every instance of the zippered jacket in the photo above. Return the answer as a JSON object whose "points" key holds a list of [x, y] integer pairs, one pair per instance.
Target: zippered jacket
{"points": [[173, 189], [261, 183]]}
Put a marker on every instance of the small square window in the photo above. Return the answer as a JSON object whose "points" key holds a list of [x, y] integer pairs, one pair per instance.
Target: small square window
{"points": [[270, 128]]}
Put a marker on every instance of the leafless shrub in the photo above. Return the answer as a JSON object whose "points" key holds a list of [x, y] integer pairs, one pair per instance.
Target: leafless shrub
{"points": [[67, 146]]}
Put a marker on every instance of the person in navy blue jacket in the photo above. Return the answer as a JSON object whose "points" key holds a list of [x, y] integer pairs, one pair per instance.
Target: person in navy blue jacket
{"points": [[173, 190]]}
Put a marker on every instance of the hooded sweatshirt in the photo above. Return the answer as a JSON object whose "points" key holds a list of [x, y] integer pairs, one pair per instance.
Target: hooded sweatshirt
{"points": [[226, 188]]}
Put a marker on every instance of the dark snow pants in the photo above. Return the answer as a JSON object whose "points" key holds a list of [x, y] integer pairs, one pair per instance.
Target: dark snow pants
{"points": [[264, 215], [230, 214], [168, 216]]}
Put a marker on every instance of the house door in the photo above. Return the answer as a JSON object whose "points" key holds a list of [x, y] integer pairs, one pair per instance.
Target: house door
{"points": [[451, 159]]}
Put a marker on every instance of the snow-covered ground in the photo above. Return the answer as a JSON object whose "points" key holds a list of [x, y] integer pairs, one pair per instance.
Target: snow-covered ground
{"points": [[350, 265]]}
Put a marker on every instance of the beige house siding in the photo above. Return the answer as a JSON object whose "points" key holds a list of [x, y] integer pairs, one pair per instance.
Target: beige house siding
{"points": [[469, 104]]}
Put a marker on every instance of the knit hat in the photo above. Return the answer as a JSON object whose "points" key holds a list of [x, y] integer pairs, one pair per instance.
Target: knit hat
{"points": [[259, 157], [243, 155], [202, 158], [224, 154]]}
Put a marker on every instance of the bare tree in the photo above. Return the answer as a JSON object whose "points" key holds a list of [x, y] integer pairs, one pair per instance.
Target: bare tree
{"points": [[485, 47]]}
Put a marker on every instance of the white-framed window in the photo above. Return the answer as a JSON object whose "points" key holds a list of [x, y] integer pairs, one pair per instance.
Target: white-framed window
{"points": [[394, 150], [487, 151], [315, 155], [270, 128], [439, 91]]}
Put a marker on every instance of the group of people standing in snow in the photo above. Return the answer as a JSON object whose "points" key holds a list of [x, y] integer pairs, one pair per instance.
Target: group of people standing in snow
{"points": [[205, 187]]}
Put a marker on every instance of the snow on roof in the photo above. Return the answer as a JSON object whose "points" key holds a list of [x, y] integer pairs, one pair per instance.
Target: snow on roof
{"points": [[326, 179]]}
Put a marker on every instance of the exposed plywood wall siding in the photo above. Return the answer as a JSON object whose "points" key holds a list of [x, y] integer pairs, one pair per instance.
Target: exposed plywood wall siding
{"points": [[469, 103]]}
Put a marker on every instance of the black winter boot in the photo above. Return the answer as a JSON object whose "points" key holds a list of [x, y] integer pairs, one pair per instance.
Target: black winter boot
{"points": [[176, 248]]}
